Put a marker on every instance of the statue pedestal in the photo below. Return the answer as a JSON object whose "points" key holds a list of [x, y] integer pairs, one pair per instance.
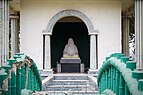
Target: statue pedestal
{"points": [[70, 60], [70, 65]]}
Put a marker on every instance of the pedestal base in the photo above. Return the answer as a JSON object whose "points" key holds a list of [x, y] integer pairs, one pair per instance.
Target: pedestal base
{"points": [[93, 72], [70, 60], [70, 68], [46, 72]]}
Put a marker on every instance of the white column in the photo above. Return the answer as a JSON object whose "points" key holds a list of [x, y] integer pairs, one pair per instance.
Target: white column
{"points": [[1, 33], [93, 54], [139, 33], [4, 30], [47, 54], [47, 59], [14, 35]]}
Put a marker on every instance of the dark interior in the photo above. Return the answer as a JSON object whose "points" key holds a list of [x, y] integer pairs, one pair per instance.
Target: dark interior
{"points": [[62, 31]]}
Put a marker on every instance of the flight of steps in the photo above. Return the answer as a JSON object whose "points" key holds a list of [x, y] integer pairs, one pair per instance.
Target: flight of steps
{"points": [[69, 84]]}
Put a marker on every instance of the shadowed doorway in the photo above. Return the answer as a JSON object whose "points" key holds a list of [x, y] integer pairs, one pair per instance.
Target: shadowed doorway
{"points": [[65, 28]]}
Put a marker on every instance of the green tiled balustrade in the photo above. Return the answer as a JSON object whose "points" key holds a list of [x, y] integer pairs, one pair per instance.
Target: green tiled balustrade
{"points": [[118, 74], [18, 75]]}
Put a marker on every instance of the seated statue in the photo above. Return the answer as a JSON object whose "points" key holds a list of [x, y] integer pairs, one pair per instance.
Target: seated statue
{"points": [[70, 50]]}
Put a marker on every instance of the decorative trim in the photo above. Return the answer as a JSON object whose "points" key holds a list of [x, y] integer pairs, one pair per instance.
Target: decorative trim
{"points": [[66, 13]]}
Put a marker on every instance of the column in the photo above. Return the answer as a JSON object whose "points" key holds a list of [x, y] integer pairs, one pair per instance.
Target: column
{"points": [[47, 53], [139, 33], [4, 30], [47, 59], [93, 53], [1, 34], [125, 35], [14, 35]]}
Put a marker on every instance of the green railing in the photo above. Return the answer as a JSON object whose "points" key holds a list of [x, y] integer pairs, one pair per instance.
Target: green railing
{"points": [[118, 75], [19, 75]]}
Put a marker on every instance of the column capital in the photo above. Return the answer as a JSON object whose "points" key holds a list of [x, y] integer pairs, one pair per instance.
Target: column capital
{"points": [[95, 32], [47, 33]]}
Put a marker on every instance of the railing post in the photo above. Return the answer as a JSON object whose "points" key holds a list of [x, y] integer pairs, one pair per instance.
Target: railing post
{"points": [[126, 90], [32, 81], [9, 83], [117, 82], [109, 78], [104, 82], [13, 80], [29, 81], [23, 77], [106, 73], [99, 88], [35, 83], [101, 83], [121, 86], [18, 78], [7, 67], [114, 79], [3, 76]]}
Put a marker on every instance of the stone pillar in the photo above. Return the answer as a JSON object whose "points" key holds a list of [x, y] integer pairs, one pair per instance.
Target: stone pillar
{"points": [[139, 33], [4, 30], [14, 35], [125, 36], [47, 53], [1, 34], [93, 54]]}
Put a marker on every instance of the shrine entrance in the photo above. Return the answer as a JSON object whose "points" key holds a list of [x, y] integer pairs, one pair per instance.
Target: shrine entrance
{"points": [[70, 24], [65, 28]]}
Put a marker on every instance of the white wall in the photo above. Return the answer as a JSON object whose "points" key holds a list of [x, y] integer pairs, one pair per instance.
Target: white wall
{"points": [[104, 14]]}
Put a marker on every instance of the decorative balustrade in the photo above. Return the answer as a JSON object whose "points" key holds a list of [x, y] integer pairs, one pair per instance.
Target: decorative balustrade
{"points": [[118, 75], [19, 75]]}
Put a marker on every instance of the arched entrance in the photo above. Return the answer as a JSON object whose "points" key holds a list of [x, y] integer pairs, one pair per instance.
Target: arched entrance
{"points": [[65, 28], [49, 31]]}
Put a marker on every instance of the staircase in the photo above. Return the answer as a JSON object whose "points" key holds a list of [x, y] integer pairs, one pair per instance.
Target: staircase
{"points": [[70, 84]]}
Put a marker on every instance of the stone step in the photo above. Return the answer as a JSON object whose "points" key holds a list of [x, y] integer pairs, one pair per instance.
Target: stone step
{"points": [[67, 88], [67, 83], [70, 86], [66, 93], [70, 78]]}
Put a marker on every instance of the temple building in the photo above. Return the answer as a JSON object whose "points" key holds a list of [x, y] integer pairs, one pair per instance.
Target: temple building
{"points": [[41, 29], [68, 37]]}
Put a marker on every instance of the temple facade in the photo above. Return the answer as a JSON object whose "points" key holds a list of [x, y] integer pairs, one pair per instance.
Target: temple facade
{"points": [[99, 28]]}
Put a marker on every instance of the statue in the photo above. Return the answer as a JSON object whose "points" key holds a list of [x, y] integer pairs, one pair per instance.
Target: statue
{"points": [[70, 50], [71, 59]]}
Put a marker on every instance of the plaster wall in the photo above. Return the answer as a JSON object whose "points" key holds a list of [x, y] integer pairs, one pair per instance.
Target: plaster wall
{"points": [[35, 15]]}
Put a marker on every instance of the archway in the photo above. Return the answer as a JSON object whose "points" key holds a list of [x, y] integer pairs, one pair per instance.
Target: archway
{"points": [[49, 31], [65, 28]]}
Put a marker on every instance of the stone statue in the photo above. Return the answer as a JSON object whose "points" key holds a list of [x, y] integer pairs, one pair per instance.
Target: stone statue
{"points": [[70, 50]]}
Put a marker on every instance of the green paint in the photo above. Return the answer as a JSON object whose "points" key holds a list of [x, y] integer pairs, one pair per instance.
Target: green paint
{"points": [[122, 78]]}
